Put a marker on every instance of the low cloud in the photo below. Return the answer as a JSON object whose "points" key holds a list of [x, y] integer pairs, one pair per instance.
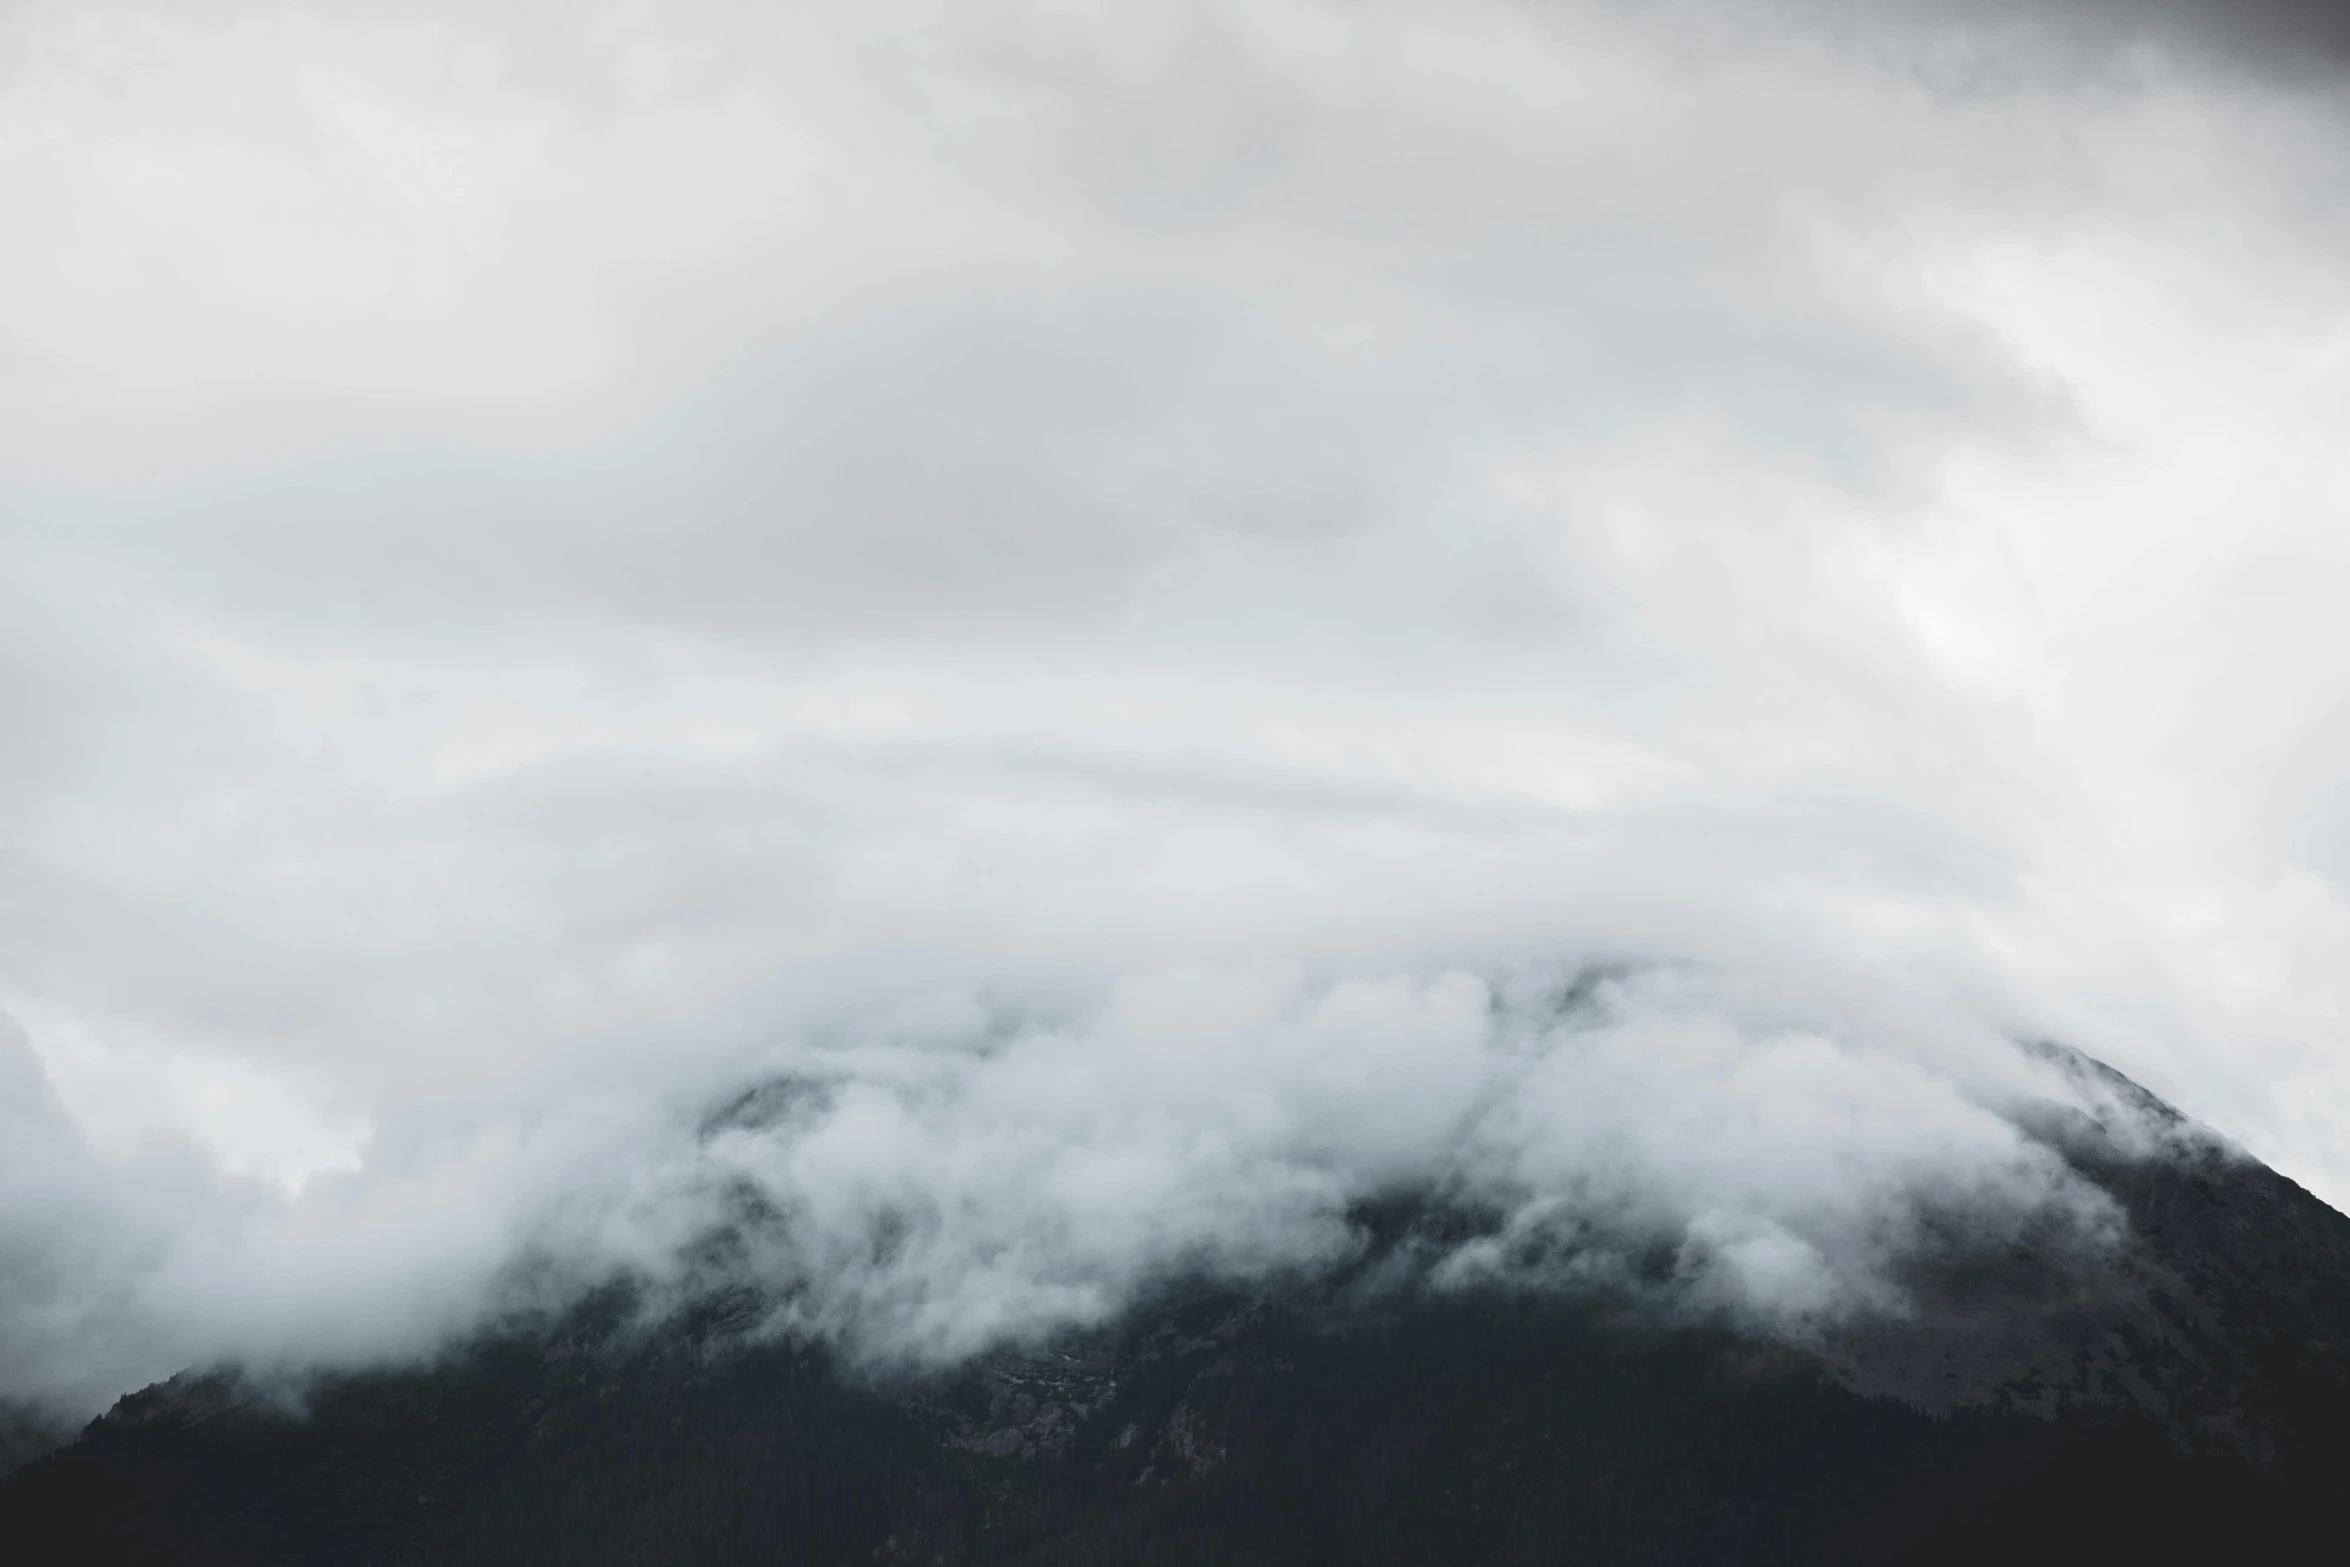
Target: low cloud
{"points": [[915, 1176]]}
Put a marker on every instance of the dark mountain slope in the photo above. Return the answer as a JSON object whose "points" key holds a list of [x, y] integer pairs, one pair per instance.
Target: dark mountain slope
{"points": [[27, 1434], [2227, 1266], [2184, 1399]]}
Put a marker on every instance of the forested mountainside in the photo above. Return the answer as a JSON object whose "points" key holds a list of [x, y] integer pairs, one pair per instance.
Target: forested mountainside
{"points": [[2186, 1398]]}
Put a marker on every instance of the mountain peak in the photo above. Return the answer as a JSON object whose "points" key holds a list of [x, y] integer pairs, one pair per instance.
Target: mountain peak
{"points": [[2194, 1351]]}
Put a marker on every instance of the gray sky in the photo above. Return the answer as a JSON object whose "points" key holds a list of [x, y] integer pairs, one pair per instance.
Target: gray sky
{"points": [[535, 536]]}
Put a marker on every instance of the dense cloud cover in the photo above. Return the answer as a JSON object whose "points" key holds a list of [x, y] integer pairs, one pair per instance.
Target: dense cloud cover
{"points": [[930, 1169], [549, 549]]}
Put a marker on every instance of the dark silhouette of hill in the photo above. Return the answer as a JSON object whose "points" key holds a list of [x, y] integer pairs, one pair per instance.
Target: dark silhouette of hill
{"points": [[2186, 1397], [27, 1434]]}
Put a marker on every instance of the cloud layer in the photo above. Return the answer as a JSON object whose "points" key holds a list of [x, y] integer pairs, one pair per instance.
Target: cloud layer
{"points": [[528, 527], [929, 1169]]}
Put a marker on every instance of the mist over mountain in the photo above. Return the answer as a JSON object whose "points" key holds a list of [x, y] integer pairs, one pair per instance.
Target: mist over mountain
{"points": [[2181, 1387], [1254, 779], [916, 1176]]}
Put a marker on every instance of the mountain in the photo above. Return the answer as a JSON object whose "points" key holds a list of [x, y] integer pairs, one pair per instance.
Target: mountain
{"points": [[27, 1434], [2185, 1396]]}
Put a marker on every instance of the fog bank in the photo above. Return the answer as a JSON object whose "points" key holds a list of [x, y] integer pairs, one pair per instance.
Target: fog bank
{"points": [[917, 1173]]}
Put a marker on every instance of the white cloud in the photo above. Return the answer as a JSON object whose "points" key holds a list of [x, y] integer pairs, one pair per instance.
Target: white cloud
{"points": [[923, 1175], [526, 524]]}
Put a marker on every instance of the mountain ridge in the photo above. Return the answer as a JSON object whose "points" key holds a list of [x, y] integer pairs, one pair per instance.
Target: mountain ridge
{"points": [[2201, 1367]]}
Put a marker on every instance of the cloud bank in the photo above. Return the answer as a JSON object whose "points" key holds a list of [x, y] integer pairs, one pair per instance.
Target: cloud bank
{"points": [[925, 1171], [527, 528]]}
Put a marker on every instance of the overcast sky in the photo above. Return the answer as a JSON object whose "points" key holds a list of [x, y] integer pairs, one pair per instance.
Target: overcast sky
{"points": [[535, 538]]}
